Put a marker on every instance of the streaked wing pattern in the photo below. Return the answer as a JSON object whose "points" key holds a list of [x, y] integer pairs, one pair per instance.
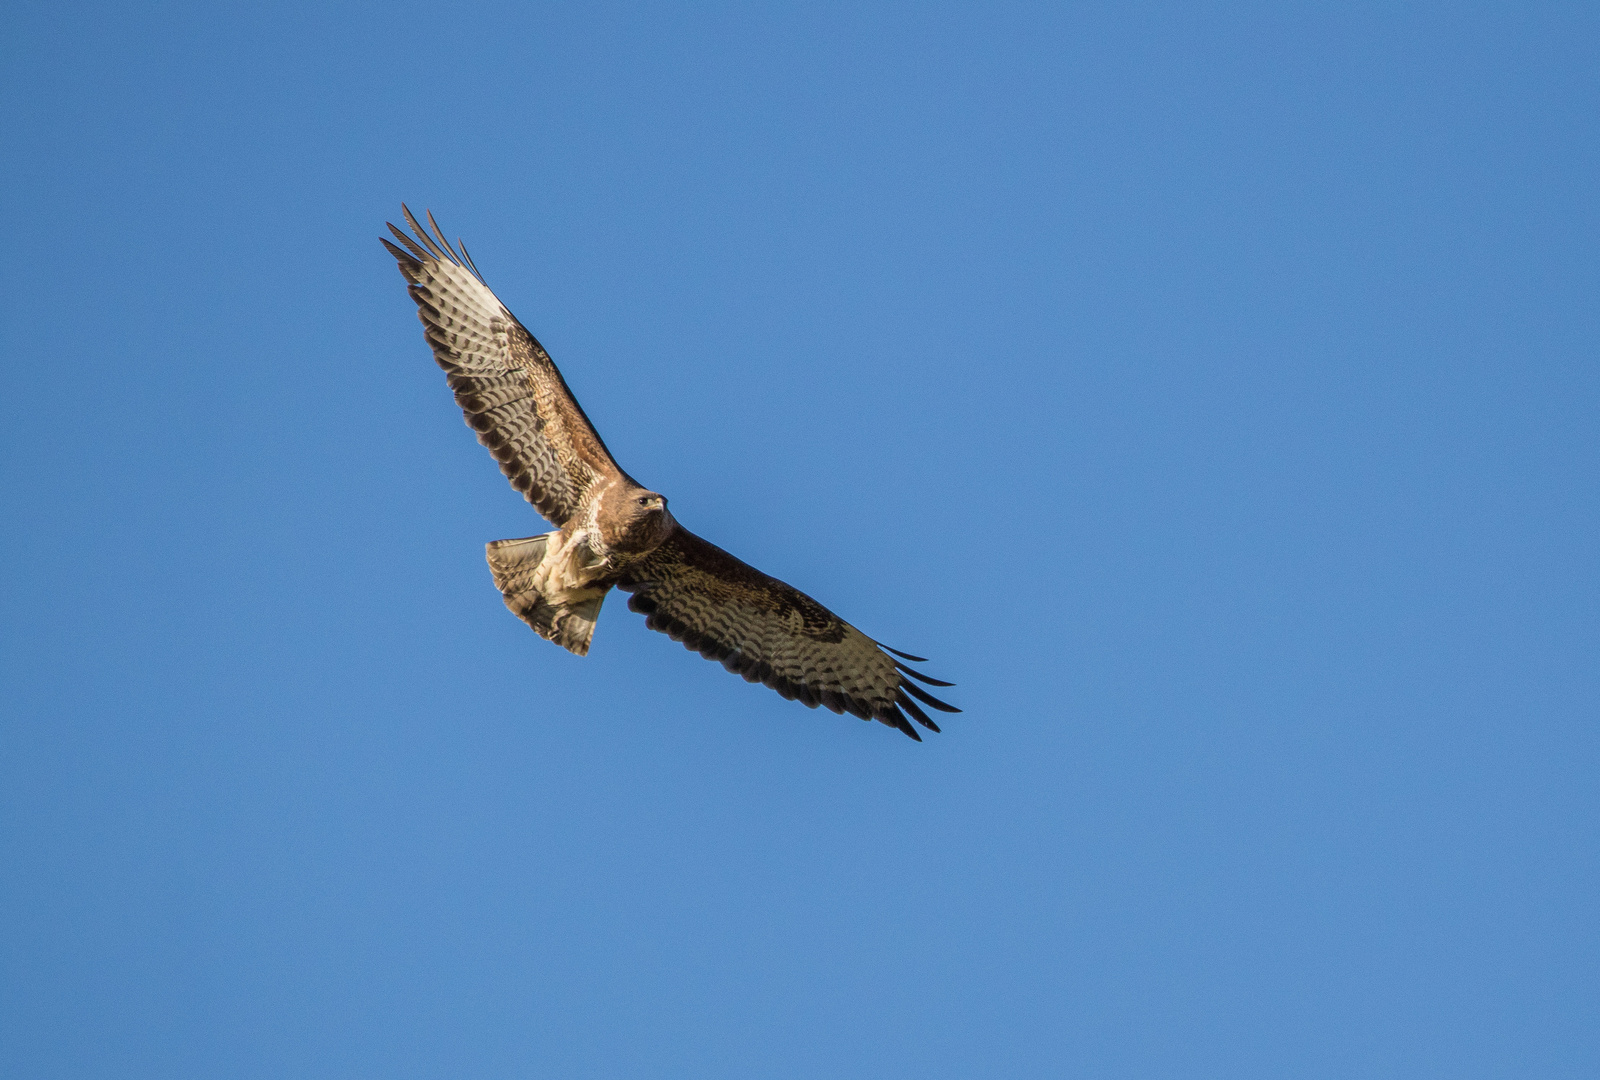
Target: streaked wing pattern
{"points": [[506, 384], [771, 633]]}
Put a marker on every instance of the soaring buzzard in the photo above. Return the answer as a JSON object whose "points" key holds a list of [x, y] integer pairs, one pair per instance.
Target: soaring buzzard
{"points": [[614, 533]]}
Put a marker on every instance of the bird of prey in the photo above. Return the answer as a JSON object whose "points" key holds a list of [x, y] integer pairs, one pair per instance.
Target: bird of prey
{"points": [[611, 532]]}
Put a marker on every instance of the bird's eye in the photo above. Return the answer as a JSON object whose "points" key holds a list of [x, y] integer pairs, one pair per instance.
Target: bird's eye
{"points": [[644, 502]]}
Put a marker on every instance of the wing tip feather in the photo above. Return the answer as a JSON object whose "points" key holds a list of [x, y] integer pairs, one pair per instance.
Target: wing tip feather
{"points": [[926, 698], [897, 652], [433, 247], [929, 679], [896, 719], [916, 712]]}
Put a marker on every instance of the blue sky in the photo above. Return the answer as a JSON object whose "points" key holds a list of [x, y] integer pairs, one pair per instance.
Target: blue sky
{"points": [[1209, 390]]}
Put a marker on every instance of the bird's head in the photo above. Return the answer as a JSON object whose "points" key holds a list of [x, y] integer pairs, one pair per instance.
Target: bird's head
{"points": [[639, 523]]}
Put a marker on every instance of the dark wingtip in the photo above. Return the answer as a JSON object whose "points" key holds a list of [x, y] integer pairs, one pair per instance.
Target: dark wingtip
{"points": [[467, 258], [411, 245], [929, 679], [926, 698], [901, 655], [439, 234], [916, 714], [905, 726], [400, 256], [422, 234]]}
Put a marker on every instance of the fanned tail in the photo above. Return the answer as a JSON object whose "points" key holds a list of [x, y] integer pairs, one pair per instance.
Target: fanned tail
{"points": [[568, 621]]}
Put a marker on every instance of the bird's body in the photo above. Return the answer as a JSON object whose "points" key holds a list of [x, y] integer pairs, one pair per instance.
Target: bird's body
{"points": [[612, 532]]}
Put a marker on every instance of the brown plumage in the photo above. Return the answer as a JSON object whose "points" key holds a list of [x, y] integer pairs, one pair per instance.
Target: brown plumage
{"points": [[611, 532]]}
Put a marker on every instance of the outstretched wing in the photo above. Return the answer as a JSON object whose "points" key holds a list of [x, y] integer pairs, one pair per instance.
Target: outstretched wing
{"points": [[504, 381], [770, 633]]}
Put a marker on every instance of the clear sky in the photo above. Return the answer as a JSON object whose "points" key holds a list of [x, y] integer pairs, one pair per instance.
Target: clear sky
{"points": [[1209, 390]]}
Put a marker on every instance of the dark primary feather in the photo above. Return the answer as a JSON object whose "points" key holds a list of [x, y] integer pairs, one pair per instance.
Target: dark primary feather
{"points": [[921, 677], [926, 698]]}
